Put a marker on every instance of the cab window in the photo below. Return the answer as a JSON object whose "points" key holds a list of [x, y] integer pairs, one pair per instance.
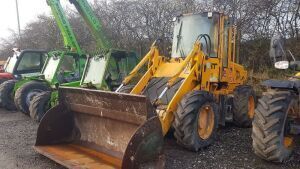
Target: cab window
{"points": [[68, 64], [30, 62]]}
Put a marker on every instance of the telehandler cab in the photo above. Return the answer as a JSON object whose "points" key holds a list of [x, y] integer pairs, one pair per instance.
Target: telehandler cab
{"points": [[23, 63], [196, 89]]}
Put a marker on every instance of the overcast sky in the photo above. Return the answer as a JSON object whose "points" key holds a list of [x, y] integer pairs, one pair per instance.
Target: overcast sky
{"points": [[28, 9]]}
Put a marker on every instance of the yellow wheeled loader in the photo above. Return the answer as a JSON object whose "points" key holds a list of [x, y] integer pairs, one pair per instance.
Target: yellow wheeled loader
{"points": [[193, 91]]}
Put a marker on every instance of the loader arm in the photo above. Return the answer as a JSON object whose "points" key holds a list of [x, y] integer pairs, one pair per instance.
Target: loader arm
{"points": [[185, 63], [70, 41], [153, 63], [196, 58], [153, 52]]}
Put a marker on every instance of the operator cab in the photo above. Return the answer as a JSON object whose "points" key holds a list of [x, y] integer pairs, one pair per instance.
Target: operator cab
{"points": [[63, 68], [212, 29], [25, 62], [186, 32], [108, 69]]}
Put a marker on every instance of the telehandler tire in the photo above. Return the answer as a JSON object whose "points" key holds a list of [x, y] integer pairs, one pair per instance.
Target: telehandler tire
{"points": [[6, 98], [271, 140], [26, 92], [196, 120], [39, 105], [244, 102]]}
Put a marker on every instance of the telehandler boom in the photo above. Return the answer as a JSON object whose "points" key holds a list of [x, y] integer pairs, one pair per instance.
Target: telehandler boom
{"points": [[196, 89], [70, 41]]}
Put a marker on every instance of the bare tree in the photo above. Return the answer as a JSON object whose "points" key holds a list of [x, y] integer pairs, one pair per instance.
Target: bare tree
{"points": [[135, 24]]}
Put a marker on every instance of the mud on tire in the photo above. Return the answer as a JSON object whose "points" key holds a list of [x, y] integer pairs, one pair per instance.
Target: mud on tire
{"points": [[187, 120], [244, 102], [26, 93], [270, 124], [39, 105], [6, 95]]}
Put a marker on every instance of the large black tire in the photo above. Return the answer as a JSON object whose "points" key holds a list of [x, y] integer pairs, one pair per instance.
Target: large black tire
{"points": [[26, 92], [244, 102], [270, 126], [187, 116], [6, 95], [39, 105]]}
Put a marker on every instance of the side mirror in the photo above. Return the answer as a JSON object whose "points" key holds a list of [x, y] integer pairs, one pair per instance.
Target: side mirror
{"points": [[282, 65]]}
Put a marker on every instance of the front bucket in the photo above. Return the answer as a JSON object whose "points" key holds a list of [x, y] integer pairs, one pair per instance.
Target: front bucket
{"points": [[99, 129]]}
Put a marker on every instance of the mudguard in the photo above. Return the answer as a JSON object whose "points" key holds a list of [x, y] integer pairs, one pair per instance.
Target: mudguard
{"points": [[285, 84]]}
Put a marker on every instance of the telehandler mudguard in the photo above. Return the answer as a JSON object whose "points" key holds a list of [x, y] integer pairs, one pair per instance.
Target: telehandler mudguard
{"points": [[100, 129], [285, 84]]}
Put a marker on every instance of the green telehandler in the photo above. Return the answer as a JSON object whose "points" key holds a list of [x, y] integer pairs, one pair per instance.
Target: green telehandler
{"points": [[60, 67], [103, 70]]}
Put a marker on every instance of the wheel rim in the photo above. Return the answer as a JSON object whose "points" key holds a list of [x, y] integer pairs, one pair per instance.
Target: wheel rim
{"points": [[31, 94], [287, 141], [251, 107], [206, 121]]}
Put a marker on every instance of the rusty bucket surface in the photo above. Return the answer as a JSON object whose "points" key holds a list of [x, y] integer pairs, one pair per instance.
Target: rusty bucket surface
{"points": [[99, 129]]}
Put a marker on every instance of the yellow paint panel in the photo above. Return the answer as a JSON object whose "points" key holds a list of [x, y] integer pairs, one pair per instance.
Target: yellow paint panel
{"points": [[168, 69]]}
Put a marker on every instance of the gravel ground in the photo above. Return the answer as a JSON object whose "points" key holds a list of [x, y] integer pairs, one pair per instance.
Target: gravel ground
{"points": [[17, 136], [232, 149]]}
